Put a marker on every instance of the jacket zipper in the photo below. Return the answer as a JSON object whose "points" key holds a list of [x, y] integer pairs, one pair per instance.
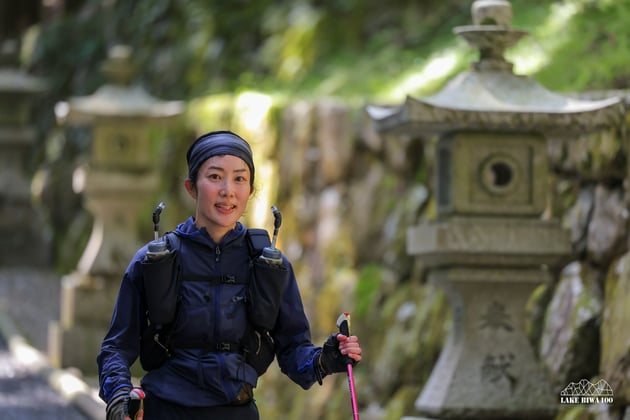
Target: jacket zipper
{"points": [[217, 299]]}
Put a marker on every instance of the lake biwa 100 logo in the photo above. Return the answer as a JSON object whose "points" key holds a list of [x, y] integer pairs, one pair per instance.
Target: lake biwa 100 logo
{"points": [[586, 392]]}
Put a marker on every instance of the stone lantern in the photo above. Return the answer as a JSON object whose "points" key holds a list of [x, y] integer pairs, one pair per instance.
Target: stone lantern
{"points": [[116, 181], [21, 227], [492, 241]]}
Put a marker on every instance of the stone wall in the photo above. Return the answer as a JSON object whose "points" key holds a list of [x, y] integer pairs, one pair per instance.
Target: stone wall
{"points": [[348, 196]]}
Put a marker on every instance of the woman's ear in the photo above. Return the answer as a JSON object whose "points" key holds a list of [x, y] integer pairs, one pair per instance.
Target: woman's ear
{"points": [[190, 187]]}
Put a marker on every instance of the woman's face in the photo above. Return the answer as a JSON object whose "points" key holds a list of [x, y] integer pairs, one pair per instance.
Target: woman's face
{"points": [[222, 191]]}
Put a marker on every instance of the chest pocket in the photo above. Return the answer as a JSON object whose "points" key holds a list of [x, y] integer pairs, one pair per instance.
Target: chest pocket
{"points": [[211, 310]]}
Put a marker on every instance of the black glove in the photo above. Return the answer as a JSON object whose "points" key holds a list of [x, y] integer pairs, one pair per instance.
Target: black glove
{"points": [[122, 405], [330, 360]]}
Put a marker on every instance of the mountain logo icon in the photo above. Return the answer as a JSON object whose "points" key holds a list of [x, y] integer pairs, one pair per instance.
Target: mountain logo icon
{"points": [[586, 392], [586, 388]]}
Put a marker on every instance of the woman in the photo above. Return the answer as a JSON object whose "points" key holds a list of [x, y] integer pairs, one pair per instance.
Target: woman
{"points": [[206, 381]]}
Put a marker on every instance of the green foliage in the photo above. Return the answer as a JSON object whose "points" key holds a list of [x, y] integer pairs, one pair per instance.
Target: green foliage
{"points": [[194, 47], [349, 48], [67, 53], [367, 289], [589, 47]]}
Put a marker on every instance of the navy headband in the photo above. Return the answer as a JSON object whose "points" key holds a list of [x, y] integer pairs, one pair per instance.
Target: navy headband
{"points": [[218, 143]]}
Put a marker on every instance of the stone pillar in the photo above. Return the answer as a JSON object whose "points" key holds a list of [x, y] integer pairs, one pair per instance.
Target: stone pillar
{"points": [[487, 251], [489, 245], [21, 228], [116, 181]]}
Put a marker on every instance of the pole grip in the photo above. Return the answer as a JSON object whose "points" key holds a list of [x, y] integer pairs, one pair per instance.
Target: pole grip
{"points": [[343, 323]]}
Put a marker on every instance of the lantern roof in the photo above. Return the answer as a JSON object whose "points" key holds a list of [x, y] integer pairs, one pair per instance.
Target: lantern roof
{"points": [[120, 99], [491, 96]]}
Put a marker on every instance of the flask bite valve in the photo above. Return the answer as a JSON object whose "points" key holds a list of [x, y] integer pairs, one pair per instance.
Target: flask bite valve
{"points": [[156, 220], [272, 255], [157, 247]]}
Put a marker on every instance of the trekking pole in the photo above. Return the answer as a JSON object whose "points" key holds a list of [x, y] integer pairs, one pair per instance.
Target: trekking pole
{"points": [[343, 323]]}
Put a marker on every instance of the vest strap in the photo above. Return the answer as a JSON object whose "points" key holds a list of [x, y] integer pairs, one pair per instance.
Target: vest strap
{"points": [[222, 347], [216, 280]]}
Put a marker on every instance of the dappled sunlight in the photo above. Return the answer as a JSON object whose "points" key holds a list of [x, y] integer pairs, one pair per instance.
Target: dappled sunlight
{"points": [[529, 61], [253, 108], [68, 383], [25, 354], [538, 49], [561, 14], [297, 52], [259, 207], [252, 113], [436, 69], [528, 56]]}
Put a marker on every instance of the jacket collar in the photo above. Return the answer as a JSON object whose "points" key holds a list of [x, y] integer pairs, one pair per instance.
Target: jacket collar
{"points": [[189, 230]]}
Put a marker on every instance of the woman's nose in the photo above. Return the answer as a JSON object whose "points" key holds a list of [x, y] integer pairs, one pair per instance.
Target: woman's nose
{"points": [[226, 189]]}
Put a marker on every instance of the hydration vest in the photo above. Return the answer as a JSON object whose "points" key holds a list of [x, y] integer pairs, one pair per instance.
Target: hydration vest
{"points": [[265, 286]]}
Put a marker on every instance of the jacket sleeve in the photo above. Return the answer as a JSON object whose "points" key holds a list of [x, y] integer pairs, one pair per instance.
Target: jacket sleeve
{"points": [[121, 345], [296, 353]]}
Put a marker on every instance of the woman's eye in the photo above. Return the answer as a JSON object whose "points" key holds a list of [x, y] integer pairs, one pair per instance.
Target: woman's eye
{"points": [[214, 176]]}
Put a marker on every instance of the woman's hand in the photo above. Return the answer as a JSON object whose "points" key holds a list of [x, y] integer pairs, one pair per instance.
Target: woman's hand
{"points": [[338, 351], [349, 346]]}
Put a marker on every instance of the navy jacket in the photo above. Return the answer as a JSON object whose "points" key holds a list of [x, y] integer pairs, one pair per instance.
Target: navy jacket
{"points": [[215, 312]]}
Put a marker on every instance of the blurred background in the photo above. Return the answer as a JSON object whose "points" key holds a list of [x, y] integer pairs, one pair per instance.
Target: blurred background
{"points": [[294, 78]]}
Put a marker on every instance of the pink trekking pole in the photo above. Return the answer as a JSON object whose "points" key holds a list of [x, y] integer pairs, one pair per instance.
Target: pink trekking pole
{"points": [[343, 323]]}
